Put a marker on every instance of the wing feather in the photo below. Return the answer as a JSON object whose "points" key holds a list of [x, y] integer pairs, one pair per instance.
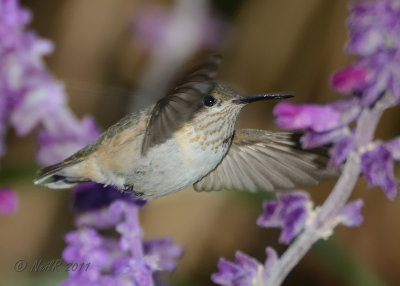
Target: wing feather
{"points": [[261, 160]]}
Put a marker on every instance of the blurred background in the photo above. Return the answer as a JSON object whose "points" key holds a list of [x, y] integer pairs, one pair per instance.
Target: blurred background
{"points": [[118, 56]]}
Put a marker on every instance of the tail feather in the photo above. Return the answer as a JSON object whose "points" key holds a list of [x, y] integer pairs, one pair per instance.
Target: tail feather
{"points": [[55, 176]]}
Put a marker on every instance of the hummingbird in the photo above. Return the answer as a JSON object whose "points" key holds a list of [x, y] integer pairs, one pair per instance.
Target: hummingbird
{"points": [[188, 138]]}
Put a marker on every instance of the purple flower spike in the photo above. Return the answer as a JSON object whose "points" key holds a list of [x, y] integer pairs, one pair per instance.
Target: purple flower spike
{"points": [[8, 201], [377, 166], [289, 213], [351, 213], [30, 95], [246, 271], [307, 116], [121, 260], [349, 79]]}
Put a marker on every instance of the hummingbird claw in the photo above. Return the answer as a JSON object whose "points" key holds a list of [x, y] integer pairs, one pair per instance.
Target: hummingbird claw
{"points": [[138, 194], [128, 188]]}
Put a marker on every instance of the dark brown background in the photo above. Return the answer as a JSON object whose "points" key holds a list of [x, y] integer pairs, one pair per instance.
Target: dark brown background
{"points": [[270, 46]]}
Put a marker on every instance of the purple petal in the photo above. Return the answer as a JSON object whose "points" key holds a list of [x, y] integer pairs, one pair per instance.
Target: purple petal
{"points": [[374, 91], [340, 151], [365, 42], [377, 166], [394, 147], [226, 272], [38, 104], [351, 213], [133, 271], [86, 246], [371, 24], [313, 139], [246, 271], [246, 261], [289, 213], [166, 251], [8, 201], [349, 79], [307, 116]]}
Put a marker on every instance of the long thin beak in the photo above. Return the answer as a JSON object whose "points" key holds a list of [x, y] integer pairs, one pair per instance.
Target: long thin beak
{"points": [[258, 97]]}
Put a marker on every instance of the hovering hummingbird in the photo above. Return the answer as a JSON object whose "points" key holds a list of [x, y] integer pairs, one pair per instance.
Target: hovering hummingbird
{"points": [[188, 138]]}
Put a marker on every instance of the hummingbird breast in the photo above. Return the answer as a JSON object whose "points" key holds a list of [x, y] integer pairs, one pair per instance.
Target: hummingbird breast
{"points": [[194, 151]]}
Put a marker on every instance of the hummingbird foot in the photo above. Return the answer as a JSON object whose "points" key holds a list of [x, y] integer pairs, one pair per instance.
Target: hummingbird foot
{"points": [[129, 189], [138, 194]]}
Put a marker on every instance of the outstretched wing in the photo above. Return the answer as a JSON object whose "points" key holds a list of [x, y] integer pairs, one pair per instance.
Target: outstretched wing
{"points": [[181, 103], [262, 160]]}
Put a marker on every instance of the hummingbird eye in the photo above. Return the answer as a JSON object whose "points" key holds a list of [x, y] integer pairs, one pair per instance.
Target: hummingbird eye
{"points": [[209, 100]]}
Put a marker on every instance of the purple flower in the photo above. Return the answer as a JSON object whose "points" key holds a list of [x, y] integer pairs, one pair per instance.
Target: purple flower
{"points": [[8, 201], [377, 166], [86, 245], [313, 139], [384, 70], [340, 150], [166, 250], [12, 18], [246, 270], [373, 25], [349, 79], [351, 213], [289, 212], [306, 116], [133, 271], [43, 97]]}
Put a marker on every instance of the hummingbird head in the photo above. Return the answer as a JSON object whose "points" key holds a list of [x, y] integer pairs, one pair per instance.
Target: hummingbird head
{"points": [[223, 95], [220, 108], [226, 102]]}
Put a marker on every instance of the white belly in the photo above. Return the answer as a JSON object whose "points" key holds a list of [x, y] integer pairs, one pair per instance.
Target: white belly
{"points": [[180, 162]]}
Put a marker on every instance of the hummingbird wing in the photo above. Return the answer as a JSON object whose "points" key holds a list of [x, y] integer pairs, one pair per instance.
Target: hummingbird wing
{"points": [[180, 104], [262, 160]]}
